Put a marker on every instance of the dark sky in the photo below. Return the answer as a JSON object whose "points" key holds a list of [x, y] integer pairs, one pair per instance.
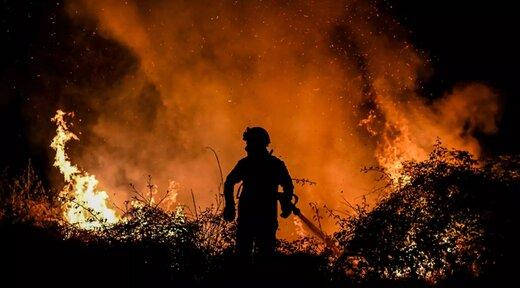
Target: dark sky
{"points": [[470, 41], [465, 42]]}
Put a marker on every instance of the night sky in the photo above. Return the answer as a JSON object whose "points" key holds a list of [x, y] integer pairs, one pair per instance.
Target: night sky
{"points": [[463, 42]]}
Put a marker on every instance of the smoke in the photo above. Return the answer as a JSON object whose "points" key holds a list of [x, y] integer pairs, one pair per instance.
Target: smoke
{"points": [[335, 83]]}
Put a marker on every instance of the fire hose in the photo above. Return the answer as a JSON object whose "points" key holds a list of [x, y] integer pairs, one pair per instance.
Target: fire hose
{"points": [[329, 243]]}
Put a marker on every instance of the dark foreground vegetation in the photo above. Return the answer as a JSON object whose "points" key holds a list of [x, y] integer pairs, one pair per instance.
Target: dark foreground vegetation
{"points": [[449, 222]]}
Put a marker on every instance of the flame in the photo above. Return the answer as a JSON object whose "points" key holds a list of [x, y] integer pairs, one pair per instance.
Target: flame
{"points": [[409, 132], [85, 205]]}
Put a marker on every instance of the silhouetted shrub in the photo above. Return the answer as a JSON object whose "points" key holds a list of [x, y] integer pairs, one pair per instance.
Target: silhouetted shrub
{"points": [[446, 216], [449, 220]]}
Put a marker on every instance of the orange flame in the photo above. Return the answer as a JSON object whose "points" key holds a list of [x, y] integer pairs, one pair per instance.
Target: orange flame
{"points": [[86, 206]]}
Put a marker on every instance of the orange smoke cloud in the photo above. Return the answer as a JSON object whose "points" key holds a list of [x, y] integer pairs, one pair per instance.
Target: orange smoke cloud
{"points": [[335, 83]]}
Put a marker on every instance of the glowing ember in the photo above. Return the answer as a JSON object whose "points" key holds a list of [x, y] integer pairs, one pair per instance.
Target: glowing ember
{"points": [[85, 206]]}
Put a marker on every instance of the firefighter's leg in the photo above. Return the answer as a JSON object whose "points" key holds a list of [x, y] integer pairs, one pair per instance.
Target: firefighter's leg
{"points": [[266, 240], [244, 243]]}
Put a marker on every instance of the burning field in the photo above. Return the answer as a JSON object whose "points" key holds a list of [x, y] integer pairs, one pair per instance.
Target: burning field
{"points": [[142, 117]]}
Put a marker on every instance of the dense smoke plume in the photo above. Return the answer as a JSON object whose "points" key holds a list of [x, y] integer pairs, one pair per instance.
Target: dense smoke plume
{"points": [[334, 82]]}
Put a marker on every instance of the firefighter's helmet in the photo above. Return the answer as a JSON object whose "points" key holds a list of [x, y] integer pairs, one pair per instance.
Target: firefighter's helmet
{"points": [[256, 135]]}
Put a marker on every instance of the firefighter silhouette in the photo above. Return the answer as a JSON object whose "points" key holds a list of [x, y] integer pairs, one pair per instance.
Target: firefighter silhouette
{"points": [[260, 174]]}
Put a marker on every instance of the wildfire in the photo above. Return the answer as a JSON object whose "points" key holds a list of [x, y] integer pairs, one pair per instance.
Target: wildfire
{"points": [[85, 205], [336, 83]]}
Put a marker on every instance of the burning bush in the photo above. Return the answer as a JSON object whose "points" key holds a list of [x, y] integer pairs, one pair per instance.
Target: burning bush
{"points": [[448, 215], [447, 218]]}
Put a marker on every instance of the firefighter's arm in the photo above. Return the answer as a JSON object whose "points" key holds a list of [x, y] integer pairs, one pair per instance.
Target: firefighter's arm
{"points": [[233, 178], [288, 191]]}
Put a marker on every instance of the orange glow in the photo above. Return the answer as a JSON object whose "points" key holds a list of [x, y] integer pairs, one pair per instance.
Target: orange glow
{"points": [[334, 82]]}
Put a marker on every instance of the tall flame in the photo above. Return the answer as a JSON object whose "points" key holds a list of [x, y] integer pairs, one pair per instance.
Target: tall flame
{"points": [[85, 205]]}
